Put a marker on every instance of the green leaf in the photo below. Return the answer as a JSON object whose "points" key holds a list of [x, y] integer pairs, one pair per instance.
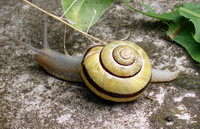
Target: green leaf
{"points": [[84, 13], [181, 32], [185, 26], [192, 12], [196, 23], [172, 16]]}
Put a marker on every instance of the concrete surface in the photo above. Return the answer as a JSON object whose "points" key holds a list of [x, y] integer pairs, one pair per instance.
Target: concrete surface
{"points": [[31, 98]]}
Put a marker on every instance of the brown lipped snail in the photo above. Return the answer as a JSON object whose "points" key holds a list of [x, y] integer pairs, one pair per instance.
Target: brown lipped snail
{"points": [[119, 71]]}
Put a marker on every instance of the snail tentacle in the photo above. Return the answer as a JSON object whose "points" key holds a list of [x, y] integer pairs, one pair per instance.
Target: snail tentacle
{"points": [[57, 64], [45, 42], [23, 43], [163, 76]]}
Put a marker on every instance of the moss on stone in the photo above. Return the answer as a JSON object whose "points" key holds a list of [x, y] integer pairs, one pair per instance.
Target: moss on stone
{"points": [[188, 81]]}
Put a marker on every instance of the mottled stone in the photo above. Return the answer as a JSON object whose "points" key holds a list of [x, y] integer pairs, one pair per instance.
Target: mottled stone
{"points": [[31, 98]]}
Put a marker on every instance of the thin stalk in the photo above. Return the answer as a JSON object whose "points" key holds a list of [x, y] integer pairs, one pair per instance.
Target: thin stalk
{"points": [[60, 19]]}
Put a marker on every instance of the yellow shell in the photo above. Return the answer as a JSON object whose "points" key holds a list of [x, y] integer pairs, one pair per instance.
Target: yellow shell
{"points": [[119, 71]]}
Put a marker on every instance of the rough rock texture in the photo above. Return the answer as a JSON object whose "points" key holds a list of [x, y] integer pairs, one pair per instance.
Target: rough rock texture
{"points": [[31, 98]]}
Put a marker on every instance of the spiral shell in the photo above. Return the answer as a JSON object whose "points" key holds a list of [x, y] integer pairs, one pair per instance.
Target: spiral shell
{"points": [[119, 71]]}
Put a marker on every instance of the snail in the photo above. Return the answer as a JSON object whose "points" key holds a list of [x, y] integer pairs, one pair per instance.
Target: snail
{"points": [[119, 71]]}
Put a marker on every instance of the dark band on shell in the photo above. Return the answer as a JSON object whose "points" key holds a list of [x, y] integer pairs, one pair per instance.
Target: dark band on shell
{"points": [[111, 94]]}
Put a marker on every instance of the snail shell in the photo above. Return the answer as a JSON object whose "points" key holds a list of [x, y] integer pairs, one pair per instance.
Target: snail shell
{"points": [[120, 71]]}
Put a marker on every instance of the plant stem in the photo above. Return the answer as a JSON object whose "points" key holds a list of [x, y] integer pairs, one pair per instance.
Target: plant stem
{"points": [[60, 19]]}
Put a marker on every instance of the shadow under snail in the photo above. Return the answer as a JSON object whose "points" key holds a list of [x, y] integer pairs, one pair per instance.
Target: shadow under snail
{"points": [[119, 71]]}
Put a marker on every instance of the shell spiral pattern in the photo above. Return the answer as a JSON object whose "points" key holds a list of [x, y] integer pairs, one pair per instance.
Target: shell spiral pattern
{"points": [[119, 71]]}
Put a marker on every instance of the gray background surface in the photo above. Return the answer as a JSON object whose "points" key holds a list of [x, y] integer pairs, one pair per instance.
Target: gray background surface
{"points": [[31, 98]]}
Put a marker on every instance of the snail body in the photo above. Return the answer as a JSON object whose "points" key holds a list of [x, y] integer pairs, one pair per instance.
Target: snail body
{"points": [[60, 65], [119, 71]]}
